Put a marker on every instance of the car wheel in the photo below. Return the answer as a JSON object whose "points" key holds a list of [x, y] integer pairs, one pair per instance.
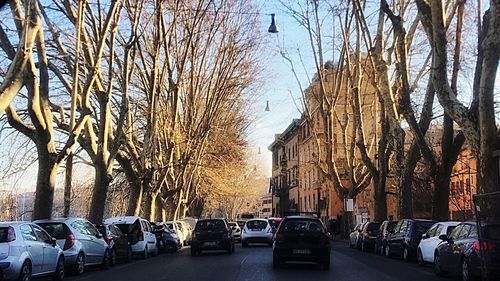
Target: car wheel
{"points": [[406, 254], [388, 253], [466, 274], [79, 264], [59, 273], [420, 258], [106, 260], [437, 266], [25, 274], [146, 253]]}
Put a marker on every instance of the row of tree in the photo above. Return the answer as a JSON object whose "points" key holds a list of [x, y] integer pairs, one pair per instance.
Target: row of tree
{"points": [[407, 53], [155, 91]]}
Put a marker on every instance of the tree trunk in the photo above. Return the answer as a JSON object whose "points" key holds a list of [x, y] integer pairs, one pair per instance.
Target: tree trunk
{"points": [[67, 185], [101, 185], [45, 184], [380, 198]]}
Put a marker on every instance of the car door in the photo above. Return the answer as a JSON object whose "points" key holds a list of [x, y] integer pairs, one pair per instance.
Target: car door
{"points": [[149, 236], [392, 235], [458, 247], [447, 248], [399, 238], [50, 252], [426, 245], [97, 243], [434, 242], [34, 247]]}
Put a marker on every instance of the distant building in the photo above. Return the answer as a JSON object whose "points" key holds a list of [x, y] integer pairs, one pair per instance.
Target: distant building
{"points": [[266, 206], [284, 178]]}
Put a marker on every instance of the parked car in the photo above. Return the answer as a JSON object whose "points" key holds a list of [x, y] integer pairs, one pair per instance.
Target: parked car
{"points": [[301, 238], [26, 251], [81, 242], [139, 233], [241, 223], [212, 234], [174, 227], [190, 221], [186, 230], [257, 231], [404, 239], [166, 239], [353, 236], [430, 241], [368, 235], [118, 243], [460, 252], [381, 242], [236, 231]]}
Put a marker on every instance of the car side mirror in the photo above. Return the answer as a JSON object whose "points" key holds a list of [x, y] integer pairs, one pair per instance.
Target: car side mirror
{"points": [[443, 237], [425, 236], [99, 235], [54, 241]]}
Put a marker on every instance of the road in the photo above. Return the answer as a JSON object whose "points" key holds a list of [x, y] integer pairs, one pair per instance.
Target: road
{"points": [[255, 264]]}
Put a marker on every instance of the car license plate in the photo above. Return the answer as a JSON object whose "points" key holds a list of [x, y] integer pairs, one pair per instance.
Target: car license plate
{"points": [[302, 251], [209, 244]]}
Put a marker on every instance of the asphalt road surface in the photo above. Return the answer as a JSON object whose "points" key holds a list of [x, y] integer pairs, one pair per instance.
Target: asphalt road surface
{"points": [[255, 264]]}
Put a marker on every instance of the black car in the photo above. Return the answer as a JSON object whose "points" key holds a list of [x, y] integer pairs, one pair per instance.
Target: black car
{"points": [[118, 243], [368, 236], [212, 234], [404, 239], [460, 252], [166, 239], [301, 238], [381, 242]]}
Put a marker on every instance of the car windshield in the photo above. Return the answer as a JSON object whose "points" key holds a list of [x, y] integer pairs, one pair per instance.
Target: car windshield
{"points": [[4, 233], [307, 226], [56, 230], [209, 225], [492, 232], [391, 225], [373, 226], [126, 228], [256, 224], [421, 227]]}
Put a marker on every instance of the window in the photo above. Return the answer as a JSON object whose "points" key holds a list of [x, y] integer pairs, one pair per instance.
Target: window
{"points": [[80, 228], [27, 233], [432, 231], [91, 229], [41, 235], [473, 232], [455, 232], [404, 226], [464, 232], [439, 230]]}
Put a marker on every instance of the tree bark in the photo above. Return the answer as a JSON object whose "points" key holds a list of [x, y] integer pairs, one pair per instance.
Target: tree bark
{"points": [[99, 194]]}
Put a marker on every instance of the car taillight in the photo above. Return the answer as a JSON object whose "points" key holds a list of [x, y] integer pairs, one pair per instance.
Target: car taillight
{"points": [[108, 239], [486, 246], [70, 241], [279, 237], [11, 234], [140, 236]]}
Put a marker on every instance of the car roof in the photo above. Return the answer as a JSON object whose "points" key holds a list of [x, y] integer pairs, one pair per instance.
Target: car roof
{"points": [[123, 219], [12, 223], [60, 220], [301, 217]]}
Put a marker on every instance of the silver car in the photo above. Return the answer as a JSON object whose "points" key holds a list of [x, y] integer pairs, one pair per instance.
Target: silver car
{"points": [[26, 251], [81, 242]]}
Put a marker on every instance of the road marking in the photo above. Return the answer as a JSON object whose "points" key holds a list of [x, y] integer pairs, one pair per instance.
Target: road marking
{"points": [[244, 259]]}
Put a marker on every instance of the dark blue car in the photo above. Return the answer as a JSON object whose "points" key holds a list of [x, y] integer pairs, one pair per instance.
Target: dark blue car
{"points": [[404, 239]]}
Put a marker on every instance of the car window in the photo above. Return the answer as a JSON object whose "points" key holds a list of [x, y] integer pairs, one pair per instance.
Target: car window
{"points": [[391, 225], [91, 228], [454, 234], [450, 229], [179, 225], [257, 224], [439, 230], [432, 231], [302, 226], [473, 232], [41, 235], [4, 234], [403, 227], [80, 227], [420, 227], [115, 230], [56, 230], [211, 225], [398, 226], [464, 232], [27, 232], [492, 232]]}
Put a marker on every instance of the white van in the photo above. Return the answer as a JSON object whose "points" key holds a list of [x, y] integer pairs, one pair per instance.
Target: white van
{"points": [[139, 233]]}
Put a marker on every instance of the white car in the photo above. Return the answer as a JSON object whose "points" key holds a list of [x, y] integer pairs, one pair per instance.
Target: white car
{"points": [[353, 236], [139, 233], [430, 241], [26, 251], [175, 227], [257, 231], [186, 230]]}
